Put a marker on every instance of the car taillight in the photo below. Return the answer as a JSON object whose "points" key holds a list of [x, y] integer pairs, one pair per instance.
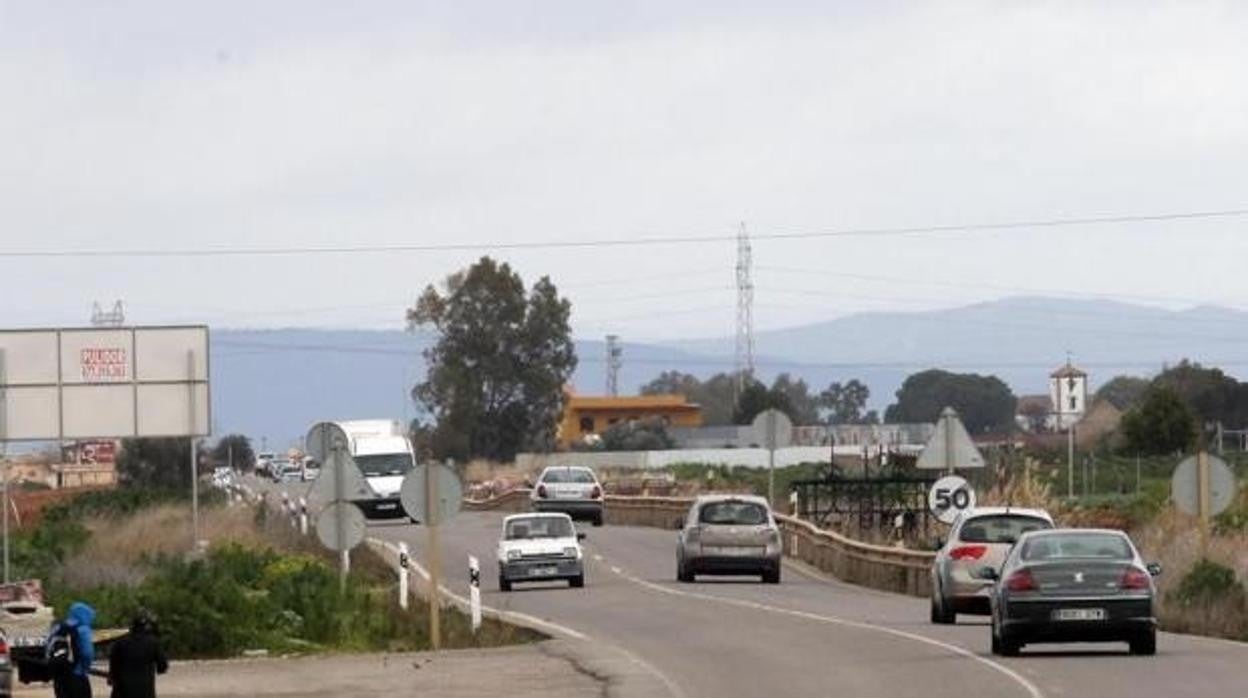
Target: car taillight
{"points": [[968, 552], [1134, 578], [596, 492], [541, 491], [4, 648], [1021, 581]]}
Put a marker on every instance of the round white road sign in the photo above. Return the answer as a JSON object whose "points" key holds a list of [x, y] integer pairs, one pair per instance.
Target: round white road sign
{"points": [[950, 496], [344, 535], [1185, 486]]}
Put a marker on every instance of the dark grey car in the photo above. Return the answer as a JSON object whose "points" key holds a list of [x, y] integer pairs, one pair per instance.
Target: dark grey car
{"points": [[1073, 585]]}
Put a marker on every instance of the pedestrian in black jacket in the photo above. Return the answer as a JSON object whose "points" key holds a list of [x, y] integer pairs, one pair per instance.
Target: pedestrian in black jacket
{"points": [[136, 659]]}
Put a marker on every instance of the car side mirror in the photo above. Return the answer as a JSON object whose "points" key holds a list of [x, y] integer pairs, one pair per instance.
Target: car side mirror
{"points": [[580, 535], [1154, 568], [940, 543], [988, 573]]}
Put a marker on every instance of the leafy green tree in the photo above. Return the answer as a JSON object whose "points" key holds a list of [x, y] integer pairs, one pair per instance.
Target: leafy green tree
{"points": [[716, 395], [1123, 392], [1161, 424], [845, 403], [236, 449], [497, 372], [156, 464], [985, 403], [803, 408], [1211, 395]]}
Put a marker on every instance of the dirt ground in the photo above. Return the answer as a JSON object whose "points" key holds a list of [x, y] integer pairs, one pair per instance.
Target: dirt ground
{"points": [[529, 670]]}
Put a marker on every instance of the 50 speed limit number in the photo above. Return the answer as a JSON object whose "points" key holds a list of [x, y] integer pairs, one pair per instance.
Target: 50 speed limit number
{"points": [[950, 496]]}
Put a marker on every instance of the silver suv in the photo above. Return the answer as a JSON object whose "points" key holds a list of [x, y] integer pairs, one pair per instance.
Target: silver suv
{"points": [[569, 489], [979, 538], [729, 534]]}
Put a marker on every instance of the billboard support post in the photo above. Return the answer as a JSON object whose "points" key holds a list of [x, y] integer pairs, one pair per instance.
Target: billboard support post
{"points": [[4, 399], [190, 411]]}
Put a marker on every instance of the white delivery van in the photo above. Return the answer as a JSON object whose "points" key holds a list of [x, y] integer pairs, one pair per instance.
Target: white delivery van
{"points": [[384, 455]]}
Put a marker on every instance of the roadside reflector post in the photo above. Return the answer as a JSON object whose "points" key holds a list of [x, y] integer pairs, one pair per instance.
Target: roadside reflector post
{"points": [[404, 562], [303, 516], [474, 591], [435, 556]]}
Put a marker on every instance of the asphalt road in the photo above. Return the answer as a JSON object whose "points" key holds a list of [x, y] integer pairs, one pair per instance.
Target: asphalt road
{"points": [[811, 635]]}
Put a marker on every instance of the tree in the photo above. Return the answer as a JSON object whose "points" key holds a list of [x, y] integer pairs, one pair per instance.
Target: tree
{"points": [[985, 403], [1210, 394], [803, 408], [1161, 424], [1037, 415], [1123, 392], [156, 464], [716, 395], [497, 371], [236, 449], [845, 402]]}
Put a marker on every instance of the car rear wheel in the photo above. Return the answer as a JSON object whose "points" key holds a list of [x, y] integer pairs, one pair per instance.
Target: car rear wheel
{"points": [[772, 576], [683, 574], [1145, 645], [598, 519], [577, 582], [503, 584], [940, 614]]}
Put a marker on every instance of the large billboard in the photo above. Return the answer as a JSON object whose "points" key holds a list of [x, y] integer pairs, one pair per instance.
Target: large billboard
{"points": [[103, 383]]}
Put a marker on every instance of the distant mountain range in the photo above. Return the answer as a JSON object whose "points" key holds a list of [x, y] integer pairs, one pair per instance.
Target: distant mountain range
{"points": [[274, 383]]}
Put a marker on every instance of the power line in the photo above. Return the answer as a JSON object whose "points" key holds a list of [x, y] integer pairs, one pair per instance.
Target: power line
{"points": [[634, 241]]}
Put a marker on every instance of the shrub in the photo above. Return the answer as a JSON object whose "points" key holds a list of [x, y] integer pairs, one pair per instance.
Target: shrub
{"points": [[1208, 582]]}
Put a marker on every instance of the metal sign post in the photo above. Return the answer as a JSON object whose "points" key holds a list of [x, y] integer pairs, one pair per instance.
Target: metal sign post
{"points": [[340, 525], [776, 430], [435, 558], [1203, 486], [432, 494]]}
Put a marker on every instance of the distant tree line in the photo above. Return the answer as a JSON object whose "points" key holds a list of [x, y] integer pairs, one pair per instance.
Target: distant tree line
{"points": [[1178, 408], [723, 404]]}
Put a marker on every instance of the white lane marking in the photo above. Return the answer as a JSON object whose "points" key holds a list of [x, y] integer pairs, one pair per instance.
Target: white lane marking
{"points": [[616, 570], [673, 690], [597, 557], [1018, 678]]}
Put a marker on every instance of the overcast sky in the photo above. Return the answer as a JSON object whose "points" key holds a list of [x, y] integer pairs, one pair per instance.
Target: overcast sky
{"points": [[155, 125]]}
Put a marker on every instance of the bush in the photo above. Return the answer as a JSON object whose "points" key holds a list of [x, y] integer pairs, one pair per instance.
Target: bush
{"points": [[1209, 582]]}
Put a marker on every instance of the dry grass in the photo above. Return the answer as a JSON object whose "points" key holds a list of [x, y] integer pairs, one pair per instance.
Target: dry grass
{"points": [[120, 545], [1173, 539]]}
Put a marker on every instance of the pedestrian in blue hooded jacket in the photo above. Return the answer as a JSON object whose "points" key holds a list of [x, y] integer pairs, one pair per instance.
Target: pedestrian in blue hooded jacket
{"points": [[76, 682]]}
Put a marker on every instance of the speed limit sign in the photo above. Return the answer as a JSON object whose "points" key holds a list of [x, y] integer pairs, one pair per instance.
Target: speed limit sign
{"points": [[950, 496]]}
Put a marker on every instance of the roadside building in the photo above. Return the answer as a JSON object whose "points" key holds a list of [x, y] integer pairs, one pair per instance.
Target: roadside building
{"points": [[586, 416]]}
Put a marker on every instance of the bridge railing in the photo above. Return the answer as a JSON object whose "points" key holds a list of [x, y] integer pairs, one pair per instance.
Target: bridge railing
{"points": [[899, 570]]}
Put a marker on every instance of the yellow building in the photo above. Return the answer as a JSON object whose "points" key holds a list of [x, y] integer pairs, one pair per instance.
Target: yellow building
{"points": [[586, 415]]}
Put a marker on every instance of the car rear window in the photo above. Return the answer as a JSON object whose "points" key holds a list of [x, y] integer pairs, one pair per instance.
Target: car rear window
{"points": [[733, 514], [1003, 528], [568, 475], [538, 527], [1063, 546]]}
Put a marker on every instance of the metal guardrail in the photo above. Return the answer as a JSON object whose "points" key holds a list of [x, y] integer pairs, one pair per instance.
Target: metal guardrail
{"points": [[899, 570]]}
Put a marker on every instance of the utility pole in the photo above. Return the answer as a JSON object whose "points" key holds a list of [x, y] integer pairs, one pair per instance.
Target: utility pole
{"points": [[744, 354], [615, 354]]}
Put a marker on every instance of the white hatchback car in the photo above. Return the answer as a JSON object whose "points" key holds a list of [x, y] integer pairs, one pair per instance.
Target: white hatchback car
{"points": [[571, 489], [540, 547]]}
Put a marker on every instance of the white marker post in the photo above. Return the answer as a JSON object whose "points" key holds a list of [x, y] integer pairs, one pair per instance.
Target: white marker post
{"points": [[303, 516], [474, 591], [404, 562]]}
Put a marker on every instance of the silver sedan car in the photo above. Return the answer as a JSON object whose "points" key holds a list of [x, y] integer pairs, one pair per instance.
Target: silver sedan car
{"points": [[979, 538], [729, 534]]}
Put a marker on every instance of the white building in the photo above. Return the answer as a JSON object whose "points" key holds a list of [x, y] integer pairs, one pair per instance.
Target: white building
{"points": [[1068, 391]]}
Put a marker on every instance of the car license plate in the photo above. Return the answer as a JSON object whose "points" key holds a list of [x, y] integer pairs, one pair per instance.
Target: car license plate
{"points": [[387, 507], [1076, 614], [734, 551], [543, 571]]}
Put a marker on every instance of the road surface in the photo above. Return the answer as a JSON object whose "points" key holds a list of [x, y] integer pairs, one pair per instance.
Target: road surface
{"points": [[811, 635]]}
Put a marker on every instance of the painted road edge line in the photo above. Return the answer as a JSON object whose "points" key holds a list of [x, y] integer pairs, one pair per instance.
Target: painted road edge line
{"points": [[533, 621], [1032, 690]]}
